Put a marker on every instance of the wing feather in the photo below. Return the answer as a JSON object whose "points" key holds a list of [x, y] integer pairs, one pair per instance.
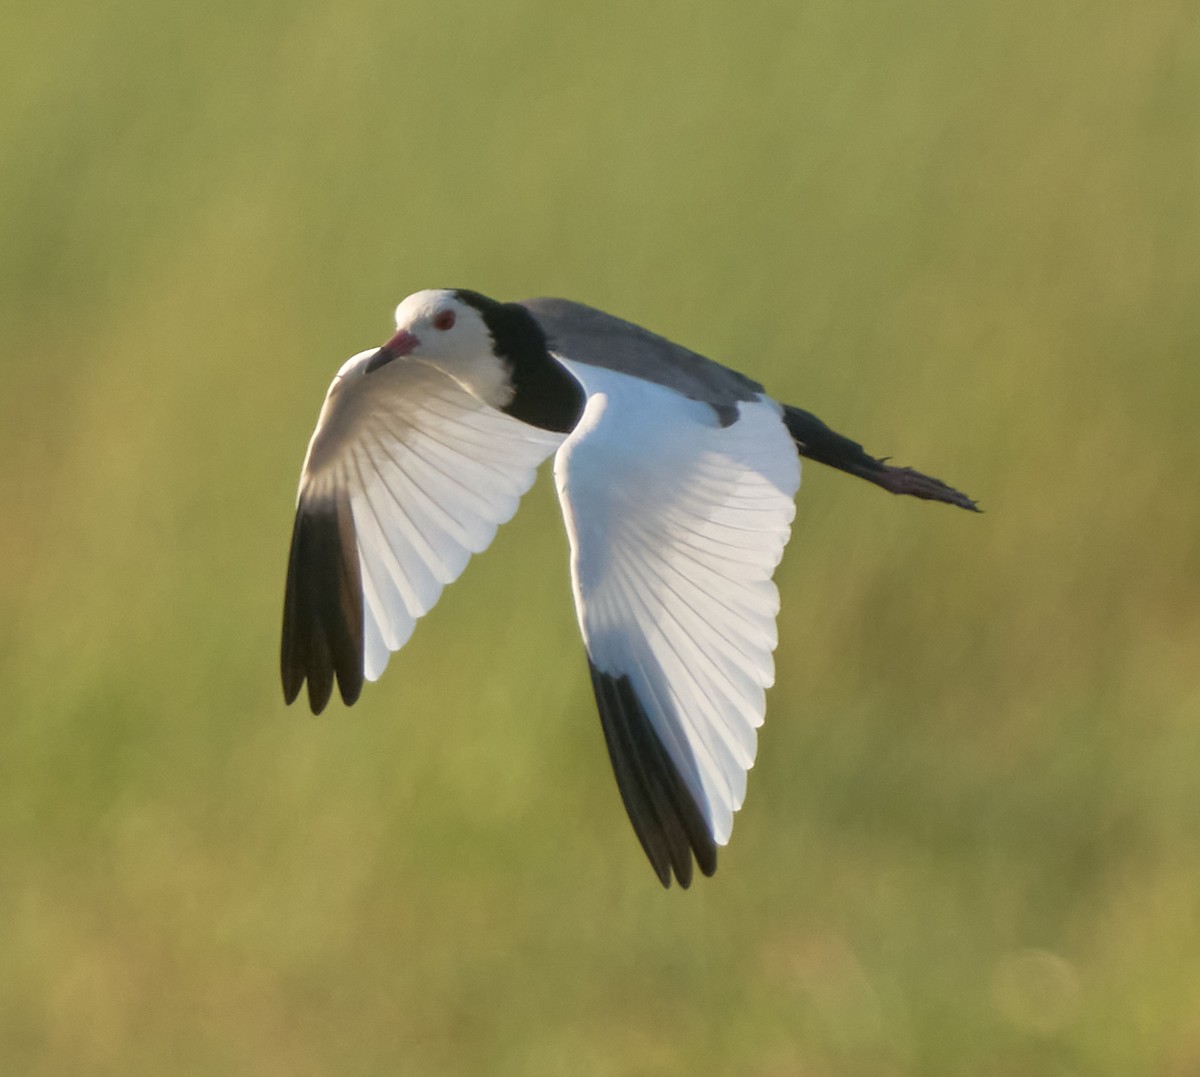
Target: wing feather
{"points": [[407, 475], [677, 516]]}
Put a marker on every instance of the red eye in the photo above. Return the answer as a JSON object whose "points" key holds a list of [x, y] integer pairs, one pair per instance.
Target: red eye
{"points": [[444, 319]]}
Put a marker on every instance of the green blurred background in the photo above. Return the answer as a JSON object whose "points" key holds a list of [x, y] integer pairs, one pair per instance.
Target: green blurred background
{"points": [[968, 235]]}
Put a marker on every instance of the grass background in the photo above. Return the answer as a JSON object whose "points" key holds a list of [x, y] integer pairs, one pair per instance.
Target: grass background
{"points": [[966, 235]]}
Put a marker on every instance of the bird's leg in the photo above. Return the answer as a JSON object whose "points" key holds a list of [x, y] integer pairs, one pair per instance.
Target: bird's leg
{"points": [[816, 441]]}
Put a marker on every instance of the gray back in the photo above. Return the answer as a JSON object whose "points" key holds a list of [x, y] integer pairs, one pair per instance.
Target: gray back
{"points": [[587, 335]]}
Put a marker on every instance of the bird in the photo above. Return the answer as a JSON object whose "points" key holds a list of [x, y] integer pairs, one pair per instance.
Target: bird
{"points": [[677, 479]]}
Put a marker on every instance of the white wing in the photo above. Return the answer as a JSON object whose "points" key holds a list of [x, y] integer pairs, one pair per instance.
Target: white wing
{"points": [[406, 476], [676, 525]]}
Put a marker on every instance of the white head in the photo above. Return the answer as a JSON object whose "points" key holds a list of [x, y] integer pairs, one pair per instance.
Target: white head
{"points": [[439, 327], [437, 324]]}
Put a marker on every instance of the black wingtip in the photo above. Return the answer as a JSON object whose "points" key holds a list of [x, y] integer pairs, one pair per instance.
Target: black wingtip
{"points": [[322, 640], [291, 683], [668, 822]]}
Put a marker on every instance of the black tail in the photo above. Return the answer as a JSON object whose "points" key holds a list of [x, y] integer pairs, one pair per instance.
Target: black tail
{"points": [[817, 442]]}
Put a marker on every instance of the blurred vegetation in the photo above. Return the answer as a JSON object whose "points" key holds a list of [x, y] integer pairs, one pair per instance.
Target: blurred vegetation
{"points": [[968, 235]]}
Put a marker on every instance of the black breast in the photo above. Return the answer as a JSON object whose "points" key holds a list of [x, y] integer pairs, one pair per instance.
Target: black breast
{"points": [[545, 394]]}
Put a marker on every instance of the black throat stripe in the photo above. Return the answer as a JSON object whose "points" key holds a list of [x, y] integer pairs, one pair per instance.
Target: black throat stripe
{"points": [[545, 394]]}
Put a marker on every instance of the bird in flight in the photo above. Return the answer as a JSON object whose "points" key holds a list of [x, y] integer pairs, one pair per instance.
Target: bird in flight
{"points": [[676, 476]]}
